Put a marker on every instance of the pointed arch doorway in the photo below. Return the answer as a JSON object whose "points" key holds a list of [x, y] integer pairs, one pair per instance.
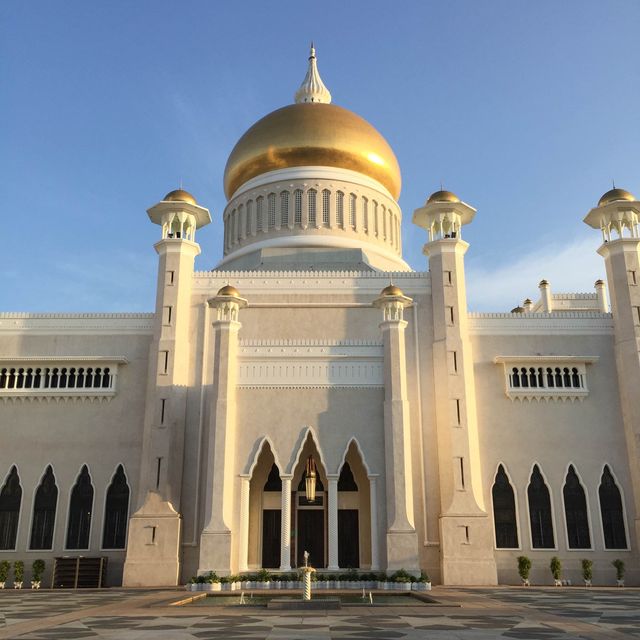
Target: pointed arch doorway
{"points": [[309, 517]]}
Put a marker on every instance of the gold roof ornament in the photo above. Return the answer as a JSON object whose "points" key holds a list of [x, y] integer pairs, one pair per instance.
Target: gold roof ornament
{"points": [[616, 195], [179, 195], [229, 290], [443, 196], [392, 290], [312, 88]]}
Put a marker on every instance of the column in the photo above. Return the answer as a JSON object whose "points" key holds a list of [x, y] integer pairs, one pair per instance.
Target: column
{"points": [[285, 524], [243, 547], [373, 493], [332, 514]]}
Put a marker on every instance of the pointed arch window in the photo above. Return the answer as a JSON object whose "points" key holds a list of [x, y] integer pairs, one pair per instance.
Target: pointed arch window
{"points": [[540, 512], [297, 206], [44, 512], [504, 511], [284, 208], [116, 512], [271, 206], [80, 510], [575, 511], [311, 195], [346, 481], [615, 536], [10, 500], [326, 197], [340, 209]]}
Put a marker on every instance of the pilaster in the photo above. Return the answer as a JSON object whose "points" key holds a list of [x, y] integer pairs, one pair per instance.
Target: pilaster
{"points": [[332, 517], [285, 524]]}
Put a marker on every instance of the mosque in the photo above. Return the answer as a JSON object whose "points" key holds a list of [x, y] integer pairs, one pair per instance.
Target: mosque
{"points": [[313, 393]]}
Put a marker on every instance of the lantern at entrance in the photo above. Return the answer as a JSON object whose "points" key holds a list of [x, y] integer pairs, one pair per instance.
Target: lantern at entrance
{"points": [[310, 479]]}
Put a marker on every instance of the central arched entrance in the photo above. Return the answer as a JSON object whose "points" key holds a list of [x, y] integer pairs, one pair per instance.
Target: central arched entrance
{"points": [[309, 517]]}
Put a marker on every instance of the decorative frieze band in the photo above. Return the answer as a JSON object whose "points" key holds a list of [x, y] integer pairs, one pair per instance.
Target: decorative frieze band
{"points": [[284, 364]]}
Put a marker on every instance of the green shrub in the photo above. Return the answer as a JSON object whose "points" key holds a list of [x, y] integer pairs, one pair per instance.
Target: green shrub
{"points": [[212, 577], [424, 577], [524, 567], [619, 565], [263, 576], [587, 569], [401, 576], [37, 569], [556, 567], [18, 571], [5, 566]]}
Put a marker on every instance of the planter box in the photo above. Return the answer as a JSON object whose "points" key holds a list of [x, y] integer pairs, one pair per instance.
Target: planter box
{"points": [[403, 586], [421, 586], [17, 585]]}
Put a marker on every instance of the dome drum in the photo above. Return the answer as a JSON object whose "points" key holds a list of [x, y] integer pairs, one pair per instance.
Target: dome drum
{"points": [[284, 211]]}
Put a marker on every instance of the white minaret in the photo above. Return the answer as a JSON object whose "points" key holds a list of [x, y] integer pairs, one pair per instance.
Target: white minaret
{"points": [[153, 549], [466, 531], [617, 216]]}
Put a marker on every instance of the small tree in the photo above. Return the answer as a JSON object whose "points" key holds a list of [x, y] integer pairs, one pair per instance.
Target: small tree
{"points": [[18, 571], [524, 568], [556, 568], [587, 570], [37, 569], [619, 565], [5, 566]]}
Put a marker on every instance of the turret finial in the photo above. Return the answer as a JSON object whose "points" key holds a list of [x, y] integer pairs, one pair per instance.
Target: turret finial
{"points": [[312, 88]]}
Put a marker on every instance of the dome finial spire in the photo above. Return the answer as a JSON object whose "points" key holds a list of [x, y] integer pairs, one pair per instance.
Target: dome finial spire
{"points": [[312, 88]]}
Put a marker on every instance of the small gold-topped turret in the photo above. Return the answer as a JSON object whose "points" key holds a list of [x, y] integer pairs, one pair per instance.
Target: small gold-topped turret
{"points": [[229, 290], [179, 195], [615, 195], [443, 196]]}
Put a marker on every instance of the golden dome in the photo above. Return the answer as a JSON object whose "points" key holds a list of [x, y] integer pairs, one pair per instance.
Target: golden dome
{"points": [[179, 195], [614, 195], [312, 134], [443, 196], [392, 290], [228, 290]]}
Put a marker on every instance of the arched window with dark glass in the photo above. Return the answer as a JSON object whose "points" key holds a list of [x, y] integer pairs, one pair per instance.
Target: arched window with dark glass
{"points": [[346, 481], [80, 509], [615, 536], [274, 482], [575, 511], [504, 511], [540, 511], [44, 512], [116, 512], [10, 499]]}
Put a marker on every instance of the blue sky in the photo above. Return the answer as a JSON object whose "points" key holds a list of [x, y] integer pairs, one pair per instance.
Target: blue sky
{"points": [[527, 110]]}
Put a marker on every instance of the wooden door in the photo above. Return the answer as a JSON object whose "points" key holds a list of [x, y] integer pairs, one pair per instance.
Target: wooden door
{"points": [[311, 536], [348, 539], [271, 522]]}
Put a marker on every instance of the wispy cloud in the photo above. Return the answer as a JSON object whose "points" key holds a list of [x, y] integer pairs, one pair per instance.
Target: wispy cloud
{"points": [[572, 267]]}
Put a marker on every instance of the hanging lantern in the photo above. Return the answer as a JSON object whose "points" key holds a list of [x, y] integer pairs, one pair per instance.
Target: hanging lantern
{"points": [[310, 480]]}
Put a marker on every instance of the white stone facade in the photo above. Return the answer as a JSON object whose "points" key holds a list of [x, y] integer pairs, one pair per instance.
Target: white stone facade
{"points": [[444, 441]]}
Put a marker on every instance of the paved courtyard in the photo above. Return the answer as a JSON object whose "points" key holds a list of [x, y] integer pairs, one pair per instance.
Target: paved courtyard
{"points": [[545, 613]]}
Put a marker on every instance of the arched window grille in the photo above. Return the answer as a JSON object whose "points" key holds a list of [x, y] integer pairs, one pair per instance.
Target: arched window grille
{"points": [[271, 205], [352, 210], [384, 221], [274, 482], [44, 512], [375, 218], [504, 511], [311, 195], [259, 213], [284, 208], [391, 225], [365, 214], [116, 512], [540, 512], [340, 209], [250, 223], [80, 509], [575, 511], [10, 500], [234, 227], [297, 207], [615, 536], [326, 204], [243, 222]]}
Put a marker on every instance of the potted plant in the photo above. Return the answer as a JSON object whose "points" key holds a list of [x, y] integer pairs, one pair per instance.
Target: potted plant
{"points": [[619, 565], [264, 579], [212, 582], [290, 582], [524, 569], [556, 571], [402, 580], [37, 570], [423, 582], [18, 574], [587, 571], [5, 565], [382, 580]]}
